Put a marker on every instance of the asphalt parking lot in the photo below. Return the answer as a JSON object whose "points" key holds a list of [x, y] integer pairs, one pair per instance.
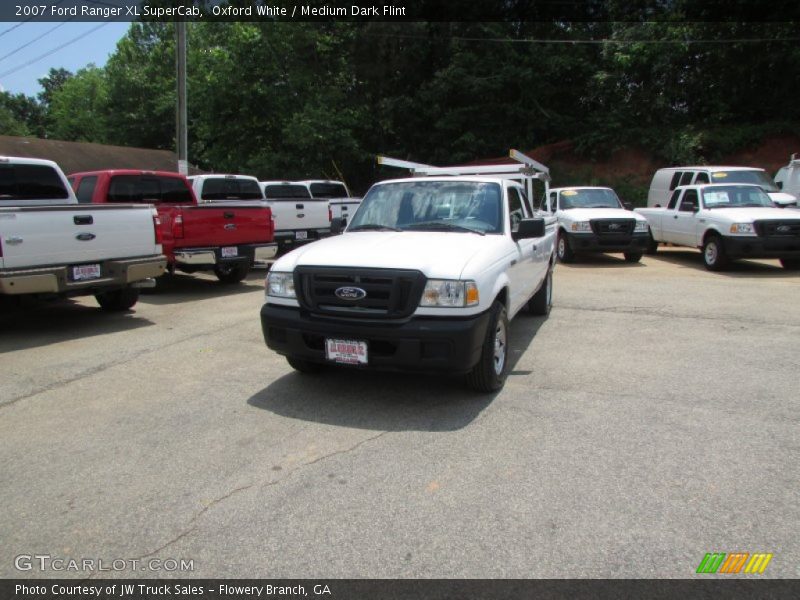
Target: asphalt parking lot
{"points": [[650, 419]]}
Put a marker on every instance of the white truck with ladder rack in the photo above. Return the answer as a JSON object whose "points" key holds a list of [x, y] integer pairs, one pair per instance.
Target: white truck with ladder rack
{"points": [[426, 276]]}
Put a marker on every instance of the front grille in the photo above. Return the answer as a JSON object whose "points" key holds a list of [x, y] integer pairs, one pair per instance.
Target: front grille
{"points": [[389, 293], [780, 228], [616, 227]]}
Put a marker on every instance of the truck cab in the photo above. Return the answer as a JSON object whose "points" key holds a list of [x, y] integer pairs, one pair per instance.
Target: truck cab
{"points": [[594, 219], [426, 277]]}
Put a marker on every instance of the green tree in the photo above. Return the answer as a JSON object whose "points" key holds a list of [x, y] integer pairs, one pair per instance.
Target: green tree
{"points": [[78, 109]]}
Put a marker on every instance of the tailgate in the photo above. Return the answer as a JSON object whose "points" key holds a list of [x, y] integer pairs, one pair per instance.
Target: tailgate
{"points": [[344, 208], [292, 214], [61, 235], [215, 224]]}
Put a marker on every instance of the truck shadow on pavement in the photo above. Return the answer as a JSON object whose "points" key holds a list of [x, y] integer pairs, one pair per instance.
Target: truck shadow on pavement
{"points": [[33, 323], [692, 259], [387, 401], [183, 287], [600, 261]]}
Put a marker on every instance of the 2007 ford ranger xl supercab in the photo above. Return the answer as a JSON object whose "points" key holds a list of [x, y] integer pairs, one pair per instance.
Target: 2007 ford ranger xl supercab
{"points": [[426, 277]]}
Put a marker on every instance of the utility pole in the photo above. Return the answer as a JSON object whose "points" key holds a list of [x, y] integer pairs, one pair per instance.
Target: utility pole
{"points": [[181, 128]]}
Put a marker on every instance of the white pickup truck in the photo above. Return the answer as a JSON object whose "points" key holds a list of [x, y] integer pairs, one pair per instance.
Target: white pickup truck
{"points": [[225, 188], [426, 277], [51, 245], [787, 179], [727, 221], [299, 218], [593, 219], [342, 204]]}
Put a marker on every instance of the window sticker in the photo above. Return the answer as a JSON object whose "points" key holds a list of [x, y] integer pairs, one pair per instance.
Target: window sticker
{"points": [[719, 175], [716, 198], [569, 193]]}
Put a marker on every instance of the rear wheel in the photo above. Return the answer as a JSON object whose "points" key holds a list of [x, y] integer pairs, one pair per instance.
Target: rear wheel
{"points": [[542, 300], [231, 273], [714, 256], [633, 257], [563, 250], [790, 264], [304, 366], [489, 375], [118, 300]]}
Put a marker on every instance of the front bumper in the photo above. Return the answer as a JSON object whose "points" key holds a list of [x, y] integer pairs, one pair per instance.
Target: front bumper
{"points": [[591, 242], [208, 257], [114, 274], [418, 344], [761, 247]]}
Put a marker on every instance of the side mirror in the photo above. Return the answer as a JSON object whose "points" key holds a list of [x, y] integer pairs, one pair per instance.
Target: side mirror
{"points": [[337, 225], [529, 228], [627, 206]]}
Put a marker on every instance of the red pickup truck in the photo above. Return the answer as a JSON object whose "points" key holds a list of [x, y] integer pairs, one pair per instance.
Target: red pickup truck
{"points": [[224, 237]]}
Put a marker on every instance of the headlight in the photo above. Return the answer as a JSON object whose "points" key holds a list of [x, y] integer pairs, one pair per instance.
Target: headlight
{"points": [[449, 294], [280, 285], [582, 226], [641, 227], [742, 228]]}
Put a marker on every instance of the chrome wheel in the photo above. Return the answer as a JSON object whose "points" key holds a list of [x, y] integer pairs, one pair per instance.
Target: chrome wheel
{"points": [[712, 253], [499, 348], [562, 246]]}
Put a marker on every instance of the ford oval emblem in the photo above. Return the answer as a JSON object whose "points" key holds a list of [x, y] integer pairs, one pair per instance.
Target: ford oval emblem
{"points": [[784, 228], [350, 293], [85, 237], [614, 226], [230, 226]]}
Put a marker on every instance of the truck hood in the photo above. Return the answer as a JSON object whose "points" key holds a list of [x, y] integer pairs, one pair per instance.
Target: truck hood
{"points": [[437, 254], [587, 214], [747, 215]]}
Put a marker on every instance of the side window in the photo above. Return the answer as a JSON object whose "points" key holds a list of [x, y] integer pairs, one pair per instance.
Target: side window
{"points": [[526, 203], [515, 210], [689, 201], [686, 178], [675, 179], [86, 189], [674, 199], [702, 177]]}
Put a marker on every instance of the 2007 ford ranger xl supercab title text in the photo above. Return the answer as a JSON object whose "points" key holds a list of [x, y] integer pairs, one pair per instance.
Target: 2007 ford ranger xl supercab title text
{"points": [[425, 278]]}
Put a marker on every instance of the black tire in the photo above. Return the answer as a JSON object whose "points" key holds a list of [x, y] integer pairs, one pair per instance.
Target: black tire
{"points": [[541, 301], [489, 375], [652, 246], [303, 365], [633, 257], [118, 300], [790, 264], [231, 273], [563, 250], [714, 256]]}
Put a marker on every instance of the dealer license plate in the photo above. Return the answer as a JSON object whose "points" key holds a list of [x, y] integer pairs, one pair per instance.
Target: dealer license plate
{"points": [[301, 235], [84, 272], [349, 352], [229, 251]]}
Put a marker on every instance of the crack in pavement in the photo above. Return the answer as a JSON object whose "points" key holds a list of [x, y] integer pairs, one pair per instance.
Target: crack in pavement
{"points": [[193, 527]]}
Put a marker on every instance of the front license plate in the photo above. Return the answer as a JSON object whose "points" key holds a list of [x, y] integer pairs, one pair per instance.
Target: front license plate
{"points": [[349, 352], [84, 272], [301, 235], [230, 251]]}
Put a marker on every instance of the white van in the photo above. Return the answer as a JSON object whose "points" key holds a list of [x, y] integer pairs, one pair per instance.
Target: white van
{"points": [[788, 178], [667, 179]]}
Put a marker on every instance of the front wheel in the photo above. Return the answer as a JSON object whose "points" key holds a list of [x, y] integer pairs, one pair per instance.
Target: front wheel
{"points": [[633, 257], [542, 301], [790, 264], [563, 250], [489, 375], [714, 256], [231, 273], [118, 300]]}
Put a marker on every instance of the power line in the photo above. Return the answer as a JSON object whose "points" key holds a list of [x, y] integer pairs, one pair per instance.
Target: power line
{"points": [[13, 27], [36, 39], [53, 51], [590, 42]]}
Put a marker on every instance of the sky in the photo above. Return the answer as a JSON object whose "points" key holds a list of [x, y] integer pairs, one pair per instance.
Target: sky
{"points": [[83, 46]]}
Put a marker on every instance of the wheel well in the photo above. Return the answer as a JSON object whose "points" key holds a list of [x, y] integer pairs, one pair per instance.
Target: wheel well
{"points": [[502, 297], [708, 234]]}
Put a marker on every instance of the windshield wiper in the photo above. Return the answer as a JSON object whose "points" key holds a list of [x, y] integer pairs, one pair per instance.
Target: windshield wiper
{"points": [[433, 226], [373, 227]]}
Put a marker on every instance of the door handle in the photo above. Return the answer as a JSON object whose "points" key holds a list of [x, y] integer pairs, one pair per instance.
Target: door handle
{"points": [[83, 220], [674, 216], [228, 215], [513, 262]]}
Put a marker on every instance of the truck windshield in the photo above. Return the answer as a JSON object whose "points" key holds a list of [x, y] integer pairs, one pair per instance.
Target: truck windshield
{"points": [[756, 177], [328, 190], [431, 205], [589, 198], [225, 188], [286, 192], [149, 189], [31, 182], [735, 196]]}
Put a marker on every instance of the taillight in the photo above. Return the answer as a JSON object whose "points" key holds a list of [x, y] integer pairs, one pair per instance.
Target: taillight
{"points": [[157, 227], [177, 226], [330, 214]]}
